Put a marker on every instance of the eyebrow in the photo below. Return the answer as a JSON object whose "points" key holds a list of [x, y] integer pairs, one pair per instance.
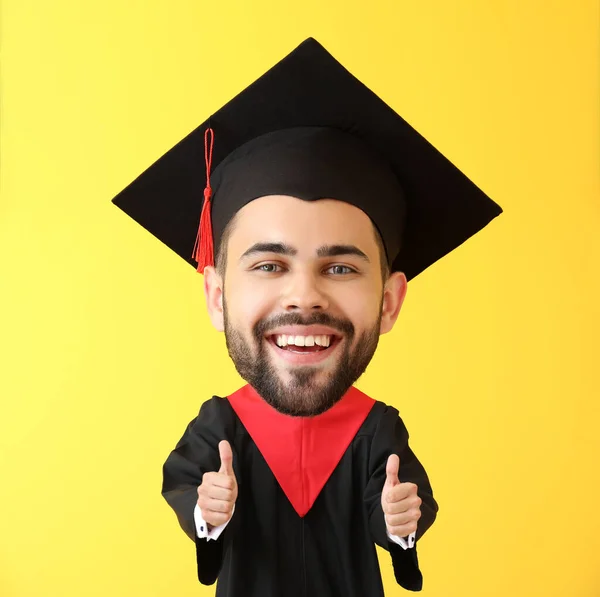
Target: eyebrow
{"points": [[324, 251], [339, 250], [279, 248]]}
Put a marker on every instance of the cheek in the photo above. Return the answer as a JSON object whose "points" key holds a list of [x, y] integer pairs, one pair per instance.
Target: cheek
{"points": [[362, 306], [247, 304]]}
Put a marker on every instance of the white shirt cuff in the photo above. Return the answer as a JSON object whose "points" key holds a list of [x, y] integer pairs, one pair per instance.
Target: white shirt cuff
{"points": [[202, 528], [404, 543]]}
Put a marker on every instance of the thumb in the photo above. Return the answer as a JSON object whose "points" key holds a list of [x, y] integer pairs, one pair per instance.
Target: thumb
{"points": [[226, 458], [391, 471]]}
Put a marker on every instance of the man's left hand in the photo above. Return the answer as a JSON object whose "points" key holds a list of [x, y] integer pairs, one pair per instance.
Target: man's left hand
{"points": [[400, 503]]}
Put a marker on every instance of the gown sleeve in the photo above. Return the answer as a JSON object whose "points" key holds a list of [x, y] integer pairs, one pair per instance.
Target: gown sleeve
{"points": [[391, 437], [196, 453]]}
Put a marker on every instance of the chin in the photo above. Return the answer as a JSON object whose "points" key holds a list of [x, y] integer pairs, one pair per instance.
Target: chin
{"points": [[296, 410]]}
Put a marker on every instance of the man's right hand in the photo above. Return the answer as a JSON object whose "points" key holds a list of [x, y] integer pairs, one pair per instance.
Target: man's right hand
{"points": [[218, 492]]}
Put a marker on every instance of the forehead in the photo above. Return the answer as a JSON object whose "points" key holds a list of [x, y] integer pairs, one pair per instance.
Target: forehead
{"points": [[306, 225]]}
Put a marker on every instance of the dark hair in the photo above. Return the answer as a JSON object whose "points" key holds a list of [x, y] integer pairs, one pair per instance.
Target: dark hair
{"points": [[385, 266], [221, 256]]}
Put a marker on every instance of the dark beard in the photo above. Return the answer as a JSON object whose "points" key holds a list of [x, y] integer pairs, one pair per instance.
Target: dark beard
{"points": [[300, 398]]}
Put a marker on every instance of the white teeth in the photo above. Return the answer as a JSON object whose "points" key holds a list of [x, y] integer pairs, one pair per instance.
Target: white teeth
{"points": [[323, 340], [284, 340]]}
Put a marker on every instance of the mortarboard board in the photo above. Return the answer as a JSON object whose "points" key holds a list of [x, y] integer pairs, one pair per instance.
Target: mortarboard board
{"points": [[310, 129]]}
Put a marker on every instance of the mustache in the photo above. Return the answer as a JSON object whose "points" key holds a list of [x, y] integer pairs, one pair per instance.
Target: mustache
{"points": [[264, 326]]}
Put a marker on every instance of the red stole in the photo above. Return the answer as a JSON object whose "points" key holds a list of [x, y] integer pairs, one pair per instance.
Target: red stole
{"points": [[301, 452]]}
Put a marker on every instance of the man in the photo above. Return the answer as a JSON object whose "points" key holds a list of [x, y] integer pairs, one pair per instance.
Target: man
{"points": [[321, 205]]}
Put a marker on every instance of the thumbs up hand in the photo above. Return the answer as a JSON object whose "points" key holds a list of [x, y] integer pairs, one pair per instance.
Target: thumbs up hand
{"points": [[400, 503], [218, 492]]}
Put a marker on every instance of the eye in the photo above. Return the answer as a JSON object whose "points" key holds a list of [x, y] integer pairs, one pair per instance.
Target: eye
{"points": [[340, 270], [269, 268]]}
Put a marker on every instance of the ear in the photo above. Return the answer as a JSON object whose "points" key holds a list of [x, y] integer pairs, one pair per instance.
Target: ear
{"points": [[394, 292], [213, 292]]}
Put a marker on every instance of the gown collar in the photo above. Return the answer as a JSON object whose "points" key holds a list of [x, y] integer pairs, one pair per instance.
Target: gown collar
{"points": [[302, 452]]}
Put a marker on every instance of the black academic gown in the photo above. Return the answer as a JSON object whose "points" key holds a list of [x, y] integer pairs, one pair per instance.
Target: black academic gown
{"points": [[267, 549]]}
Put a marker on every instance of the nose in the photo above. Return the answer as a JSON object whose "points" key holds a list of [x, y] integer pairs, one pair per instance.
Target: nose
{"points": [[304, 292]]}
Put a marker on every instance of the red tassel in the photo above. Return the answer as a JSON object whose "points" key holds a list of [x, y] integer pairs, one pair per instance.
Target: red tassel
{"points": [[203, 251]]}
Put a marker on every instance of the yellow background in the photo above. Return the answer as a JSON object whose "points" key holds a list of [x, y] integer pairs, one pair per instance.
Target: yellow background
{"points": [[107, 353]]}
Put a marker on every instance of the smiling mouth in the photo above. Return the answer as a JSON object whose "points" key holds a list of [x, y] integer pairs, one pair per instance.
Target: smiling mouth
{"points": [[304, 344]]}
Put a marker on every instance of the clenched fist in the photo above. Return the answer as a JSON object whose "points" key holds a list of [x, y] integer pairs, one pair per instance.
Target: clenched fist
{"points": [[218, 492], [400, 503]]}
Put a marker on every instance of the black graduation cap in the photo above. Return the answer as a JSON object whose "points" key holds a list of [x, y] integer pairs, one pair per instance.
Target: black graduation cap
{"points": [[308, 128]]}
